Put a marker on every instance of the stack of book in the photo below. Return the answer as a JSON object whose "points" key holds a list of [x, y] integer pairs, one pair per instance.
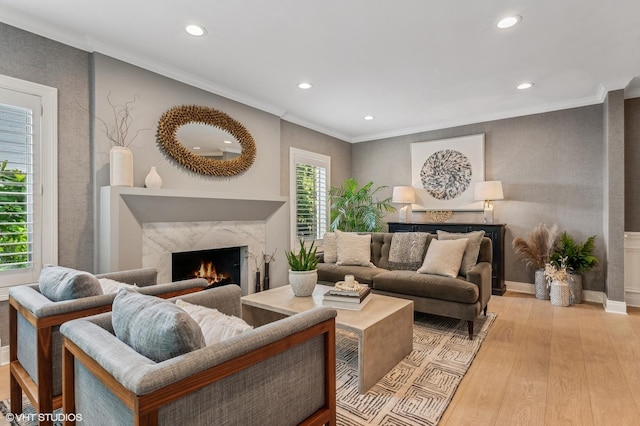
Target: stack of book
{"points": [[347, 299]]}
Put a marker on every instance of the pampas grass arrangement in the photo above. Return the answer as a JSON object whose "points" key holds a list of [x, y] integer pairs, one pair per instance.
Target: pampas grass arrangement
{"points": [[538, 249]]}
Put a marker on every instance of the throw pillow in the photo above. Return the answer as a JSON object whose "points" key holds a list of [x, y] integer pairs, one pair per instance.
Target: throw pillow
{"points": [[353, 249], [58, 283], [444, 257], [112, 286], [406, 250], [215, 325], [470, 257], [330, 247], [154, 327]]}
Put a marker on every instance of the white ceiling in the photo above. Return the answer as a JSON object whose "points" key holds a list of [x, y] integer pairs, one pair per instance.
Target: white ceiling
{"points": [[413, 64]]}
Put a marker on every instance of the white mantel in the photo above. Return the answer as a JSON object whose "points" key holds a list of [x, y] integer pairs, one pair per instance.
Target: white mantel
{"points": [[124, 211]]}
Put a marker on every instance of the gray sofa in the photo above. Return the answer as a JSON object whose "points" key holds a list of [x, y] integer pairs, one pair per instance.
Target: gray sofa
{"points": [[282, 373], [463, 297]]}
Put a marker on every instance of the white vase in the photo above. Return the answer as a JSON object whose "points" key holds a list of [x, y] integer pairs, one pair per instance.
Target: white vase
{"points": [[120, 166], [559, 293], [303, 282], [153, 179]]}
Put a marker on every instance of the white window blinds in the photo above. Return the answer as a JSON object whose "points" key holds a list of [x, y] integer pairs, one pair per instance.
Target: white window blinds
{"points": [[16, 187], [310, 188]]}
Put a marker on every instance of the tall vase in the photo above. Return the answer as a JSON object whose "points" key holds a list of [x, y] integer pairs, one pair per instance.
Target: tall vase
{"points": [[153, 179], [258, 289], [120, 166], [265, 285], [559, 293], [542, 290], [575, 285]]}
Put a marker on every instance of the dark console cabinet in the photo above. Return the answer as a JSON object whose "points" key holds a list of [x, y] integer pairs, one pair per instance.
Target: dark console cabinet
{"points": [[495, 231]]}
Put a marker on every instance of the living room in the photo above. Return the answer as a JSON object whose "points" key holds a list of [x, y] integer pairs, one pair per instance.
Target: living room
{"points": [[570, 165]]}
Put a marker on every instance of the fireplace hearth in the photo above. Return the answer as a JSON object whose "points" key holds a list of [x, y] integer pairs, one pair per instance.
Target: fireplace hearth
{"points": [[219, 266]]}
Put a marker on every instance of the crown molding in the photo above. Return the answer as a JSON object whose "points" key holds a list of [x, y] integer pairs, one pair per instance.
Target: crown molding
{"points": [[313, 126]]}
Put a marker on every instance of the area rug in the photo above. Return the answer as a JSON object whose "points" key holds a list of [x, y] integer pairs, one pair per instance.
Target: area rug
{"points": [[29, 417], [418, 390]]}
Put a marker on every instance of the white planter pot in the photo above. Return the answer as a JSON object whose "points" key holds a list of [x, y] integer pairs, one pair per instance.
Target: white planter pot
{"points": [[303, 282], [120, 166], [559, 293]]}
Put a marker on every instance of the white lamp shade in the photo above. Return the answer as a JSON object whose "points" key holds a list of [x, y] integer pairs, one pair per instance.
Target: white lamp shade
{"points": [[489, 190], [403, 194]]}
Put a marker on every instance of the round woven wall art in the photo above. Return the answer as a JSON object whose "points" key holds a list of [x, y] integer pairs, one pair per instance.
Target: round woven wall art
{"points": [[171, 121]]}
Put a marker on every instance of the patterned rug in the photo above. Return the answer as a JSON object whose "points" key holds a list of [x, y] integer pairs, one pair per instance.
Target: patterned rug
{"points": [[29, 417], [418, 390]]}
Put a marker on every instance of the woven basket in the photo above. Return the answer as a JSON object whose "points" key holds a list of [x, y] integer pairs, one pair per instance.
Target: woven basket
{"points": [[559, 293]]}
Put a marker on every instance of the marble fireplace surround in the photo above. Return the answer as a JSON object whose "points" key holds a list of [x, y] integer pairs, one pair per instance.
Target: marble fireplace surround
{"points": [[141, 227]]}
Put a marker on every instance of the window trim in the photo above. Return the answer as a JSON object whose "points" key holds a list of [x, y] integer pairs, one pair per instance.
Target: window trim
{"points": [[48, 150], [297, 155]]}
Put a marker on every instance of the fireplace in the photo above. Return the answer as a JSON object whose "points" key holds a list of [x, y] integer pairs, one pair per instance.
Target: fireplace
{"points": [[219, 266]]}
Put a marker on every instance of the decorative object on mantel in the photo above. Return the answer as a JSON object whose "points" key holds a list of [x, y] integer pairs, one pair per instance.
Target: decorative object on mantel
{"points": [[440, 216], [181, 115], [120, 155], [354, 209], [578, 258], [303, 272], [153, 179], [488, 191], [403, 195], [536, 252]]}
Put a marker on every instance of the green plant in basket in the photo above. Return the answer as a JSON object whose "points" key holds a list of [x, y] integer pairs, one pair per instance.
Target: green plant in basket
{"points": [[304, 260], [579, 257]]}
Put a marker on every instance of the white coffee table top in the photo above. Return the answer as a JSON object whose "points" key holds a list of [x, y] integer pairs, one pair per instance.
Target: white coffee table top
{"points": [[282, 300]]}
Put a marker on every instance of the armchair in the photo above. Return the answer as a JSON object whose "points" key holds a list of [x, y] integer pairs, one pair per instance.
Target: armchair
{"points": [[282, 373], [35, 343]]}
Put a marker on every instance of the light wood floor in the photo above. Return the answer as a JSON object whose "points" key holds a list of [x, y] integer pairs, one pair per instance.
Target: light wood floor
{"points": [[544, 365]]}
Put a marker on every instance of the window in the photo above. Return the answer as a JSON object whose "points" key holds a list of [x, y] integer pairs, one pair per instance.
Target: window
{"points": [[28, 177], [309, 188]]}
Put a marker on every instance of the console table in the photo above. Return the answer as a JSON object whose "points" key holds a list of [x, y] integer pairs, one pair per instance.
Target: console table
{"points": [[495, 231]]}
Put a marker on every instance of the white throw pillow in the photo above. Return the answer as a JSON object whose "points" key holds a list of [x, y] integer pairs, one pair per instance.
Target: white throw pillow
{"points": [[215, 325], [444, 257], [353, 249], [111, 286], [472, 250], [330, 247]]}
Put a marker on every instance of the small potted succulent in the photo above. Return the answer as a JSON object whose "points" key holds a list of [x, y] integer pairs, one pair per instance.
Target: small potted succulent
{"points": [[303, 272]]}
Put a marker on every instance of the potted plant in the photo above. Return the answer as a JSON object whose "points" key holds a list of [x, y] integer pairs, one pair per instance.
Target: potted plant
{"points": [[355, 209], [558, 280], [578, 258], [536, 252], [303, 272]]}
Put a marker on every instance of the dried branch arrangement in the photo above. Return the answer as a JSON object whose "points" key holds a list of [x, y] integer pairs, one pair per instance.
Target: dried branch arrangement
{"points": [[178, 116], [537, 250], [118, 131]]}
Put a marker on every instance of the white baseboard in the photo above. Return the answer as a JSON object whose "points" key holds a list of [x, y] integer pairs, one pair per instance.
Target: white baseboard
{"points": [[632, 298], [614, 306], [4, 355], [528, 288]]}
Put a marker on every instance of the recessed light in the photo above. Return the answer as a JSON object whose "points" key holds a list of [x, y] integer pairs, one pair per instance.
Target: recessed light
{"points": [[526, 85], [228, 142], [196, 30], [304, 85], [369, 117], [195, 148], [509, 21]]}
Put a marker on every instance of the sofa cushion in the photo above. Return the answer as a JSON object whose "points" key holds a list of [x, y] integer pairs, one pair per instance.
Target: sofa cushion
{"points": [[353, 249], [407, 250], [427, 285], [470, 257], [58, 283], [111, 286], [215, 325], [330, 272], [154, 327], [444, 257], [330, 248]]}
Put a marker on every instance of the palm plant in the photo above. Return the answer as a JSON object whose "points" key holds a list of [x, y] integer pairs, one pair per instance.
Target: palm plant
{"points": [[537, 251], [579, 256], [355, 209]]}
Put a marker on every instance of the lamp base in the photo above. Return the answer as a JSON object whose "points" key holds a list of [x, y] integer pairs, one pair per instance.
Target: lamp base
{"points": [[488, 213], [403, 213]]}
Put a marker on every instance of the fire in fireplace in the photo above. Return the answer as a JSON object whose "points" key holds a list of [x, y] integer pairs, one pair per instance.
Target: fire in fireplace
{"points": [[217, 266]]}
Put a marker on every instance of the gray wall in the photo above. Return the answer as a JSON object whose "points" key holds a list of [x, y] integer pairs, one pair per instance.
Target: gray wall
{"points": [[631, 164], [546, 162], [295, 136]]}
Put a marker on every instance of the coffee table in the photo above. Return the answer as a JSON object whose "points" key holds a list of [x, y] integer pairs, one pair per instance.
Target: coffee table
{"points": [[384, 326]]}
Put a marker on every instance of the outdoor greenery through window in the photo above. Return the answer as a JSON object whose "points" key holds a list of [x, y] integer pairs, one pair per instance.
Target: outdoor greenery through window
{"points": [[16, 207], [311, 191]]}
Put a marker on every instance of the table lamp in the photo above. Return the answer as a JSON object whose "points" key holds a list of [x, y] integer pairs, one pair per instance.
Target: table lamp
{"points": [[403, 195], [488, 191]]}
